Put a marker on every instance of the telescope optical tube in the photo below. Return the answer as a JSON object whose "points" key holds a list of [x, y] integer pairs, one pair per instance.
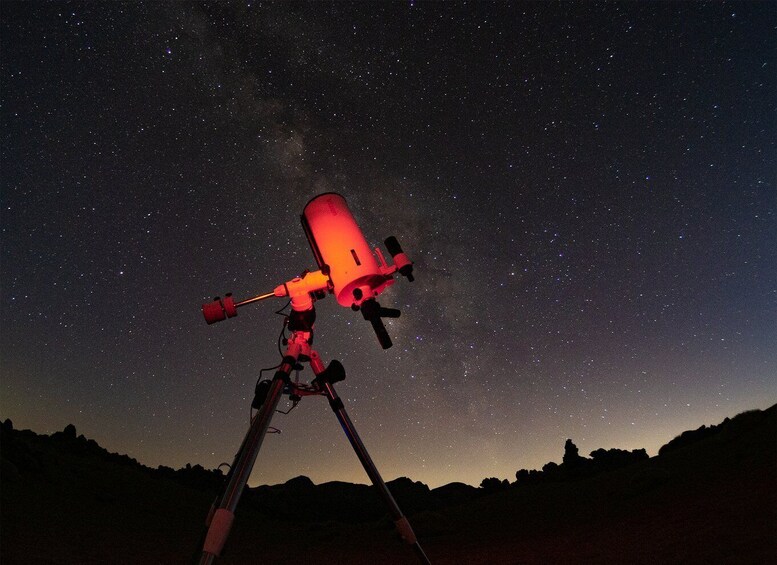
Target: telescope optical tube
{"points": [[339, 245]]}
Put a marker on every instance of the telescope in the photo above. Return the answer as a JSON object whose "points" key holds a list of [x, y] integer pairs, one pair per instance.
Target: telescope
{"points": [[347, 268], [356, 275]]}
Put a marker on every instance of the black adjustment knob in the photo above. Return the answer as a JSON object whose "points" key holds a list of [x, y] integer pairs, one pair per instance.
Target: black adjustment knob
{"points": [[371, 311]]}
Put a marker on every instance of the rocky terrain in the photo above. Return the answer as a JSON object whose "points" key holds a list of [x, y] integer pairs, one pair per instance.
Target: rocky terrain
{"points": [[710, 496]]}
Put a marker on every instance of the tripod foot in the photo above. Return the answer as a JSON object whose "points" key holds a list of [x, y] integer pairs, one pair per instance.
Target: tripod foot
{"points": [[400, 521], [405, 530], [406, 533]]}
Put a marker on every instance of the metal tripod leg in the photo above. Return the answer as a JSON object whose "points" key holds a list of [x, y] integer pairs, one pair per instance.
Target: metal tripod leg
{"points": [[222, 514], [400, 521]]}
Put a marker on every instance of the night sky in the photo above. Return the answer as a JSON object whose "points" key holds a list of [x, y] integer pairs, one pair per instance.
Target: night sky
{"points": [[588, 192]]}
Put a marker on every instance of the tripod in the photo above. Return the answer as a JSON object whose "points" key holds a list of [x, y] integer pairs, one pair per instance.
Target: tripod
{"points": [[268, 394]]}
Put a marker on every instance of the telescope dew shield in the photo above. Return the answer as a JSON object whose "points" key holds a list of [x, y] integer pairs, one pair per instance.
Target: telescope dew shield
{"points": [[339, 245]]}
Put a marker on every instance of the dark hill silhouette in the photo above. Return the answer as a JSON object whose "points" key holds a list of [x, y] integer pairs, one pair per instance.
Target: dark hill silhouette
{"points": [[300, 499], [709, 497]]}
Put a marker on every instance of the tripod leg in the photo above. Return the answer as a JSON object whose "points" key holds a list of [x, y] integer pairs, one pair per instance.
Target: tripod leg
{"points": [[400, 521], [220, 519]]}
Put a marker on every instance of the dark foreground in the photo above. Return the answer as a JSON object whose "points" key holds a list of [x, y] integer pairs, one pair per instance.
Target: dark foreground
{"points": [[712, 498]]}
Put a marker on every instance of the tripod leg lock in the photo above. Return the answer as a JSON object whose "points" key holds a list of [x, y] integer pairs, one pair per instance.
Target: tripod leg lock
{"points": [[260, 393], [218, 531]]}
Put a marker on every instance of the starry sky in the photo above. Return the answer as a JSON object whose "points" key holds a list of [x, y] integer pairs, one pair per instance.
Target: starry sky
{"points": [[588, 192]]}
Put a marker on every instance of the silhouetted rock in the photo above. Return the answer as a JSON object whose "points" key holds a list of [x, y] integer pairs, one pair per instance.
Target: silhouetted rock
{"points": [[452, 494], [571, 458], [492, 484], [613, 458], [301, 483], [728, 430], [67, 435], [743, 422], [412, 496], [20, 453], [575, 467], [526, 477], [687, 438], [300, 499], [551, 471], [195, 477]]}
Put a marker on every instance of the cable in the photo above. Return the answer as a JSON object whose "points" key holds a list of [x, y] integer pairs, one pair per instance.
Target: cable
{"points": [[280, 310], [281, 337], [293, 406]]}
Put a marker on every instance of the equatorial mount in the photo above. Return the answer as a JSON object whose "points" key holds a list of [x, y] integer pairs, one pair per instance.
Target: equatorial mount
{"points": [[347, 269]]}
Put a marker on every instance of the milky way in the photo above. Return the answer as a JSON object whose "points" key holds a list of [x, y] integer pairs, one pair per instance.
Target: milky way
{"points": [[587, 191]]}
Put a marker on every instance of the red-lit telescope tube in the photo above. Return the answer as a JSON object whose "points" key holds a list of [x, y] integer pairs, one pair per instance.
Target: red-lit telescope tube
{"points": [[339, 244]]}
